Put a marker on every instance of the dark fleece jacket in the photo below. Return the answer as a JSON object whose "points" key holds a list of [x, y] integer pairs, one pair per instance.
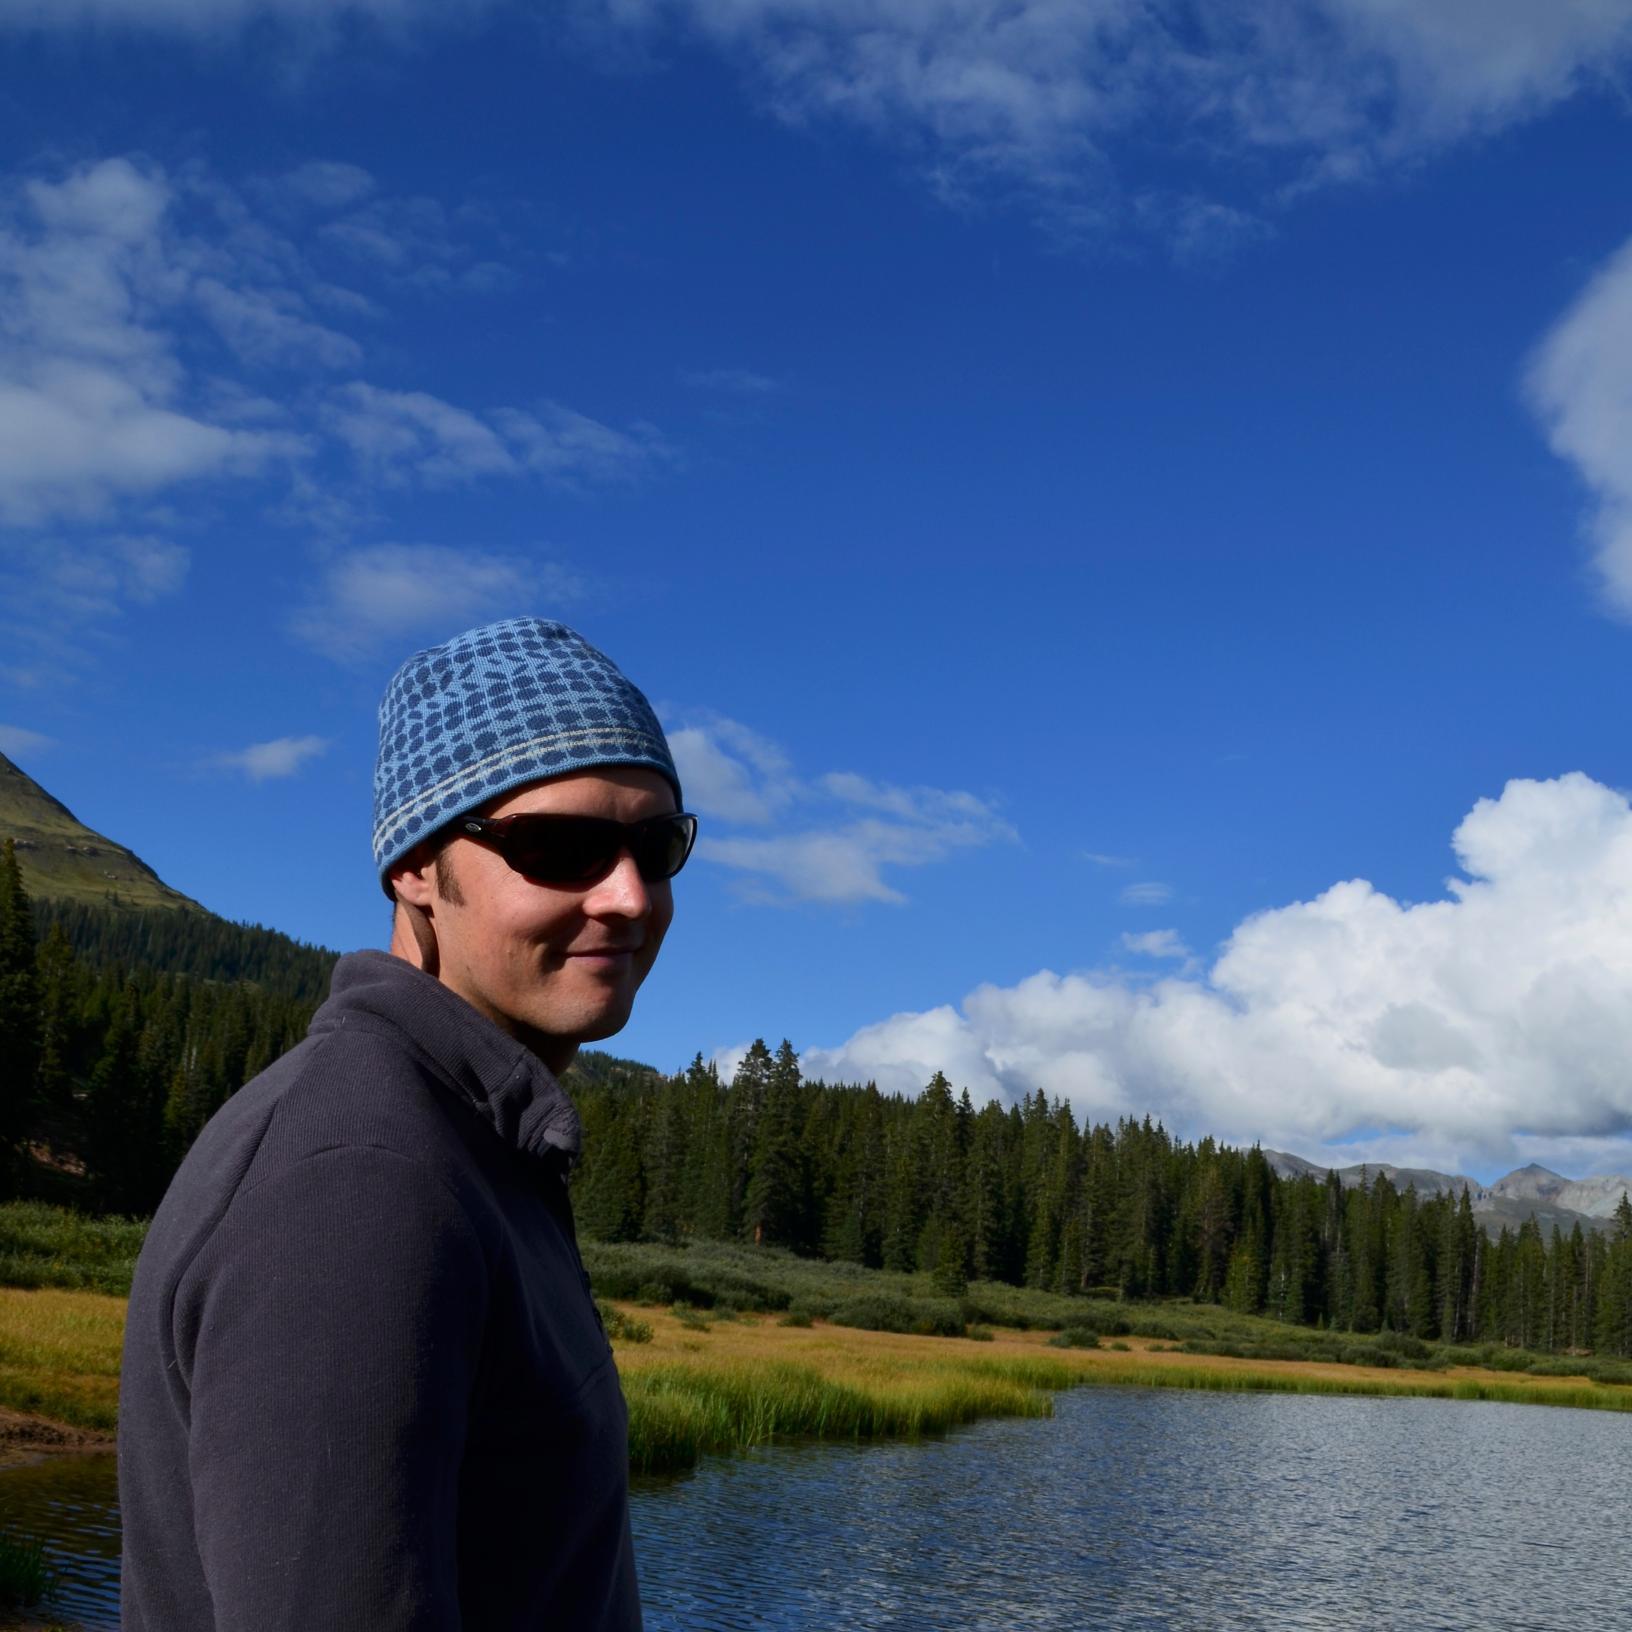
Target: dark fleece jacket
{"points": [[364, 1385]]}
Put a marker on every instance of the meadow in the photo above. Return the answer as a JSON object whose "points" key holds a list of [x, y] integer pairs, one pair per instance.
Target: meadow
{"points": [[723, 1347]]}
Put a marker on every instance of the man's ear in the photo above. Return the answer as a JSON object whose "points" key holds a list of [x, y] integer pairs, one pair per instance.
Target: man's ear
{"points": [[413, 934], [413, 877]]}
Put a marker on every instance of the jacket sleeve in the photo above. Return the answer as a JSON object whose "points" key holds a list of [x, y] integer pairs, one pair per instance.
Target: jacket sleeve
{"points": [[329, 1334]]}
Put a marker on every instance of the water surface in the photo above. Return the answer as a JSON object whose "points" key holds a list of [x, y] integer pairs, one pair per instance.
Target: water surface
{"points": [[1141, 1509]]}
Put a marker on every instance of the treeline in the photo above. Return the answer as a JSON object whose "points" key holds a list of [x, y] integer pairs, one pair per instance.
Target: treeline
{"points": [[108, 1067], [1023, 1194], [183, 941]]}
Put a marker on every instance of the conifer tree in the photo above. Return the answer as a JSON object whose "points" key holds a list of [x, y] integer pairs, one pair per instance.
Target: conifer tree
{"points": [[19, 1014]]}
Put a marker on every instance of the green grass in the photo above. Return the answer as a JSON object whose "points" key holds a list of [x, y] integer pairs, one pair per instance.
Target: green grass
{"points": [[679, 1413], [25, 1577], [43, 1245], [63, 859]]}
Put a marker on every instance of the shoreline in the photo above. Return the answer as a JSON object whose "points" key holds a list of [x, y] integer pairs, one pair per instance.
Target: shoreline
{"points": [[27, 1438], [718, 1386]]}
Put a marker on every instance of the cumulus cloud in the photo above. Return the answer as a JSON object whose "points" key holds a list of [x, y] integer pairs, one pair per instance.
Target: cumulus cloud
{"points": [[830, 839], [1487, 1027], [366, 599], [266, 761], [1579, 383]]}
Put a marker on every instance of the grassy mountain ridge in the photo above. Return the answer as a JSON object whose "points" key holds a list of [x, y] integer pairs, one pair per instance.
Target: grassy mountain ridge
{"points": [[64, 860]]}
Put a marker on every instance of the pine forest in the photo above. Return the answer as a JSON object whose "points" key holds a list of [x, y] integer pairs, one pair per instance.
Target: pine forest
{"points": [[122, 1031]]}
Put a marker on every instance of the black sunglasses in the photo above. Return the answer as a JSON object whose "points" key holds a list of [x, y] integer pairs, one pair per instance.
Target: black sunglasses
{"points": [[551, 849]]}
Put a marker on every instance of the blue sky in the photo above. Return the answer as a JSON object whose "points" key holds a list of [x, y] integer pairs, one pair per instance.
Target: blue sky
{"points": [[1128, 517]]}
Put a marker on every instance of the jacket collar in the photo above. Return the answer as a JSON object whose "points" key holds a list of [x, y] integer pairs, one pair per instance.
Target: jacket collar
{"points": [[500, 1079]]}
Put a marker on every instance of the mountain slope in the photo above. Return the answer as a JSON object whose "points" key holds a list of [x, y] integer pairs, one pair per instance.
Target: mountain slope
{"points": [[64, 860]]}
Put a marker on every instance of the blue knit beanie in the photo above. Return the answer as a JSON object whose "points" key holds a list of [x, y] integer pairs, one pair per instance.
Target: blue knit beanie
{"points": [[494, 708]]}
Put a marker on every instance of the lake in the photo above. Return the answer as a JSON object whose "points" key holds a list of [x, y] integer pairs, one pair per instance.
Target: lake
{"points": [[1140, 1508]]}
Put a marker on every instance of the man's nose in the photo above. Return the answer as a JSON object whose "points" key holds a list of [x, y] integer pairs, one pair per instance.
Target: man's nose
{"points": [[622, 892]]}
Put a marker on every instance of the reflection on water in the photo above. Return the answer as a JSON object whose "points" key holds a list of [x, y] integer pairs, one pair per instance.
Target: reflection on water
{"points": [[1163, 1510], [69, 1504], [1142, 1509]]}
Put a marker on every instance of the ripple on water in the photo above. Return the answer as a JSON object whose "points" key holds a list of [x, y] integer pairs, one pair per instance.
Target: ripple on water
{"points": [[1154, 1511]]}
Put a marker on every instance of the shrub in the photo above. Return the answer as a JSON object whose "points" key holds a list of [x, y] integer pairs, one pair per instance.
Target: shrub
{"points": [[1402, 1344], [880, 1312], [794, 1317], [622, 1328], [1075, 1337]]}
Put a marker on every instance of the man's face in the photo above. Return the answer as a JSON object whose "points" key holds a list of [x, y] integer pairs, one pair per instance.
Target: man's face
{"points": [[555, 965]]}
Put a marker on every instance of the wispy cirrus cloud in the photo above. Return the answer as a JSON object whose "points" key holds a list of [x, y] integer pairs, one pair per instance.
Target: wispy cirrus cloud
{"points": [[737, 382], [1150, 893], [367, 599], [57, 597], [1051, 104], [269, 761], [18, 739], [1055, 107], [835, 839], [161, 329]]}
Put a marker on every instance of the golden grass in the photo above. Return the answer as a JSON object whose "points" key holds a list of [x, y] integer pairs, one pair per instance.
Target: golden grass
{"points": [[59, 1355], [748, 1379], [724, 1384]]}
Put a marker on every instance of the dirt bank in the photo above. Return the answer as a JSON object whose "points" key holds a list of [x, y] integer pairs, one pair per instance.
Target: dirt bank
{"points": [[24, 1437]]}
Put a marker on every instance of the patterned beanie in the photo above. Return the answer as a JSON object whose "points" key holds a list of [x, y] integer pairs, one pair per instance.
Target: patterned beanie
{"points": [[494, 708]]}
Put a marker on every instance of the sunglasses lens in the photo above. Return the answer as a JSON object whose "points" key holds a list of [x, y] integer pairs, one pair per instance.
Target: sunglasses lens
{"points": [[660, 846], [577, 849]]}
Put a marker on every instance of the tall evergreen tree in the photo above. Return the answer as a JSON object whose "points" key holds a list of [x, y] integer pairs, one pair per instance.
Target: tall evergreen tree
{"points": [[19, 1014]]}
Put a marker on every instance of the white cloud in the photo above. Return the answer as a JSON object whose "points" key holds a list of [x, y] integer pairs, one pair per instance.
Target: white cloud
{"points": [[1044, 98], [732, 773], [1149, 894], [1157, 943], [366, 599], [1101, 858], [139, 308], [265, 761], [402, 437], [92, 405], [834, 837], [1580, 384], [1045, 101], [1467, 1030], [557, 442], [398, 435], [328, 184], [17, 739]]}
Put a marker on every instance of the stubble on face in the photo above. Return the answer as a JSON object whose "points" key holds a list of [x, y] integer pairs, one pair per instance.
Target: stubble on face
{"points": [[554, 966]]}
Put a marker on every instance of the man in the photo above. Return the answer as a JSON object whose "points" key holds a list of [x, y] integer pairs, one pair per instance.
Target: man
{"points": [[365, 1385]]}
